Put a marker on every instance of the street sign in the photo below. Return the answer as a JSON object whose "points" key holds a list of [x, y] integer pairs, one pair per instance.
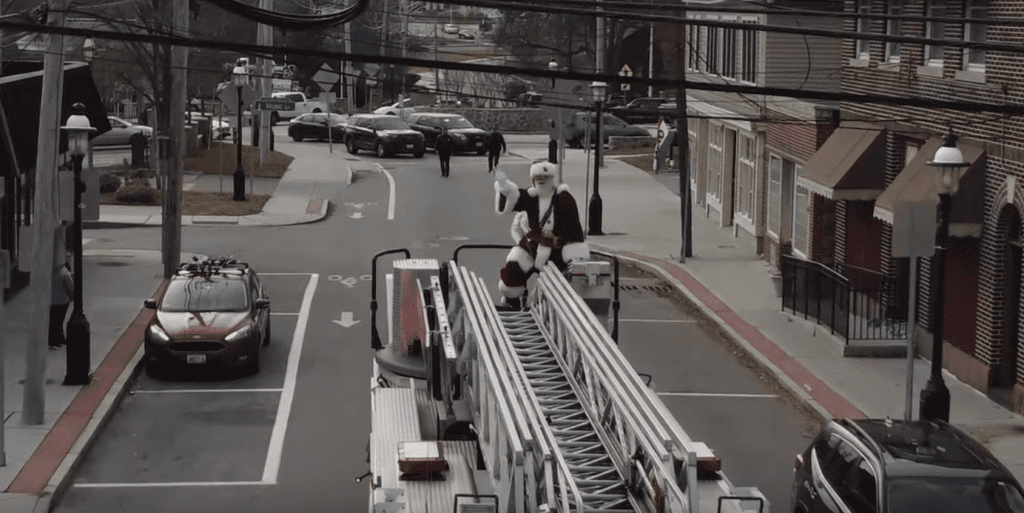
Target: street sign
{"points": [[626, 71], [624, 87], [326, 77], [274, 104]]}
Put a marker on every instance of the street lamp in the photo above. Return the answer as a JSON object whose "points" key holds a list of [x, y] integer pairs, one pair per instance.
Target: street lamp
{"points": [[553, 66], [950, 162], [88, 49], [239, 77], [597, 88], [78, 344]]}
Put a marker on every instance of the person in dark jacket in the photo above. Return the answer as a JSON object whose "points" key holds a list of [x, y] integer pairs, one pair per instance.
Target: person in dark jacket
{"points": [[495, 147], [444, 145], [63, 288]]}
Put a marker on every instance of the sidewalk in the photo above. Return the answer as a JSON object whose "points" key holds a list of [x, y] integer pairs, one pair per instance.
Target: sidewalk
{"points": [[641, 223]]}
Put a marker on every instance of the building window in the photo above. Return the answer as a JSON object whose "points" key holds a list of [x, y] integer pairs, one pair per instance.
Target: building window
{"points": [[974, 58], [934, 30], [747, 178], [712, 54], [716, 142], [863, 50], [893, 28], [693, 47], [801, 220], [749, 53], [702, 54], [775, 195], [693, 126], [729, 53]]}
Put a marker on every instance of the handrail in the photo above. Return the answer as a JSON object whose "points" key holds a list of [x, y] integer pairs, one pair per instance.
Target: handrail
{"points": [[374, 336]]}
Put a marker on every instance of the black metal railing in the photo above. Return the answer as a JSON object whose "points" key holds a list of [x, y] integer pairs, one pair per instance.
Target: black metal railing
{"points": [[814, 290], [858, 307]]}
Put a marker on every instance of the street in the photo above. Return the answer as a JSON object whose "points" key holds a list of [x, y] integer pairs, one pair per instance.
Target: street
{"points": [[294, 437]]}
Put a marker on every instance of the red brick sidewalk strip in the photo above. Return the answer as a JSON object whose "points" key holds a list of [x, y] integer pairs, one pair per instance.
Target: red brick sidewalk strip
{"points": [[39, 468], [837, 405]]}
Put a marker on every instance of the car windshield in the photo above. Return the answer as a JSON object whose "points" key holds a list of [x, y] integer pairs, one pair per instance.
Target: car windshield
{"points": [[953, 495], [390, 123], [456, 123], [337, 119], [205, 294]]}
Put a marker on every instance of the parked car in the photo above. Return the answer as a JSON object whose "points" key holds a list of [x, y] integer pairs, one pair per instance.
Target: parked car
{"points": [[466, 35], [213, 313], [639, 110], [382, 134], [468, 138], [120, 132], [582, 130], [394, 109], [890, 466], [315, 126], [451, 28]]}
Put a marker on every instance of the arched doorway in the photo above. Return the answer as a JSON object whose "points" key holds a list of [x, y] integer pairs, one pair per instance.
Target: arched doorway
{"points": [[1005, 374]]}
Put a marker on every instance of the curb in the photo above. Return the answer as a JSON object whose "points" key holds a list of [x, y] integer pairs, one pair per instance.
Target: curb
{"points": [[657, 267]]}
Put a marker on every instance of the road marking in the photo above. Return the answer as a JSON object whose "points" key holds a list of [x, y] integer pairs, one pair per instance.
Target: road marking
{"points": [[284, 408], [172, 484], [205, 390], [283, 313], [391, 192], [711, 394], [656, 320], [346, 320]]}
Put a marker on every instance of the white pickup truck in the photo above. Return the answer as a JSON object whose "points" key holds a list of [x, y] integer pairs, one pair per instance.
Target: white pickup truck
{"points": [[303, 105]]}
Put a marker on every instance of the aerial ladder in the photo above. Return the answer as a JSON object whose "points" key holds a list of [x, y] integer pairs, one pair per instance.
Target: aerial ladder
{"points": [[477, 408]]}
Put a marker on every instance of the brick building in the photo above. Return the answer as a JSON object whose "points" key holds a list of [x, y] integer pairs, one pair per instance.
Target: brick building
{"points": [[861, 180]]}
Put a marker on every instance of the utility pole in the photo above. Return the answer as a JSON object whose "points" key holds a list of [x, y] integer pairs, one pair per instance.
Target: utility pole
{"points": [[172, 194], [683, 140], [264, 37], [44, 215]]}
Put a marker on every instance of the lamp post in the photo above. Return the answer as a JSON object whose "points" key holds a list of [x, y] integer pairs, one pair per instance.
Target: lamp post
{"points": [[239, 77], [88, 49], [552, 66], [595, 207], [950, 162], [78, 343]]}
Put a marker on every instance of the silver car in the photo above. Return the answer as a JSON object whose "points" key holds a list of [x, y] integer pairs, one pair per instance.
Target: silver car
{"points": [[120, 132]]}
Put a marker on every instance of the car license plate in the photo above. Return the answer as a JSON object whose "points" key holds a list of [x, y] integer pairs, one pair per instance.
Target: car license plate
{"points": [[195, 358], [408, 146]]}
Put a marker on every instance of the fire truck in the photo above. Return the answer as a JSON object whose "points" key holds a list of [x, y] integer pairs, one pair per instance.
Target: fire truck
{"points": [[480, 408]]}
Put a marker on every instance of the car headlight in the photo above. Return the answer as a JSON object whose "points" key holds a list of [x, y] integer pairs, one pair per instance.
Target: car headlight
{"points": [[158, 333], [239, 333], [460, 138]]}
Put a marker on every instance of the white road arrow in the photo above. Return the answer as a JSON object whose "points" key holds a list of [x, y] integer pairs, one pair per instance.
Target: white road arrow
{"points": [[346, 320], [356, 215]]}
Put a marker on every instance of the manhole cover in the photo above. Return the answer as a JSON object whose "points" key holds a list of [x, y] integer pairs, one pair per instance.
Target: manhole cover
{"points": [[113, 264]]}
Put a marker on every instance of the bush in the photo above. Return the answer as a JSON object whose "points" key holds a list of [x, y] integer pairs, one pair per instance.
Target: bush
{"points": [[109, 182], [137, 192]]}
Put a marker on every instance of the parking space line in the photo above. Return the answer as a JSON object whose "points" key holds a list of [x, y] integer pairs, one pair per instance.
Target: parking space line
{"points": [[285, 313], [170, 485], [657, 320], [284, 408], [713, 394], [208, 390]]}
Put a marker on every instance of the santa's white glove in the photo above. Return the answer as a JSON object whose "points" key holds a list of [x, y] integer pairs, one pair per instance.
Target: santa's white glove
{"points": [[503, 185]]}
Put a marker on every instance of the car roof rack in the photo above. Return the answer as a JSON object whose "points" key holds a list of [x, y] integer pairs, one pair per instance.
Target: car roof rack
{"points": [[212, 266]]}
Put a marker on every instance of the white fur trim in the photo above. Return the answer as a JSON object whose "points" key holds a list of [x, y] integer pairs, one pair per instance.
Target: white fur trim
{"points": [[543, 253], [520, 226], [533, 192], [510, 200], [576, 251], [510, 292], [521, 257]]}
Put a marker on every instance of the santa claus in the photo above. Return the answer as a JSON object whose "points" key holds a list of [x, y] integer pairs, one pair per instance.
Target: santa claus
{"points": [[551, 229]]}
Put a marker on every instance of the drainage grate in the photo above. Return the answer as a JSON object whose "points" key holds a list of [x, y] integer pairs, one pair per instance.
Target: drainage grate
{"points": [[653, 288]]}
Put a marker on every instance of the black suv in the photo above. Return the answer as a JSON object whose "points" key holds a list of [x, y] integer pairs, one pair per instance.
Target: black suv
{"points": [[212, 313], [383, 134], [890, 466], [639, 110], [468, 138]]}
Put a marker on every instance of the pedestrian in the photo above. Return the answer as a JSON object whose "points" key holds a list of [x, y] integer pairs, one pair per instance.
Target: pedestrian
{"points": [[444, 145], [495, 147], [63, 288]]}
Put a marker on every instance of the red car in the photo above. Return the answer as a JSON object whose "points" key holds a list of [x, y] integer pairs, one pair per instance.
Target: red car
{"points": [[213, 313]]}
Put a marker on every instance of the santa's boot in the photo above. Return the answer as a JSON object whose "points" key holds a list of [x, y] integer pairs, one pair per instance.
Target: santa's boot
{"points": [[511, 297]]}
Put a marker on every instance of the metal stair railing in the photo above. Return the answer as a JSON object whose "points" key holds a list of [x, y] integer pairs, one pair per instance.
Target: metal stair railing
{"points": [[500, 422], [636, 427]]}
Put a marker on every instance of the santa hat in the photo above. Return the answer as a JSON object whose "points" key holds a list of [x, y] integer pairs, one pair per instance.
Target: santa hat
{"points": [[543, 169]]}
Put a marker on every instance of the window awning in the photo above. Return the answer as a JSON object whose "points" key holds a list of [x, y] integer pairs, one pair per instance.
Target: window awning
{"points": [[916, 184], [850, 165]]}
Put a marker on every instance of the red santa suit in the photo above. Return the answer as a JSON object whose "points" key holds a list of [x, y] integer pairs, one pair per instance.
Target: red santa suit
{"points": [[557, 237]]}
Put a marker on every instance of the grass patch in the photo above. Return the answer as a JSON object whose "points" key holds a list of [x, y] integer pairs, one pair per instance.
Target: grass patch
{"points": [[219, 158]]}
